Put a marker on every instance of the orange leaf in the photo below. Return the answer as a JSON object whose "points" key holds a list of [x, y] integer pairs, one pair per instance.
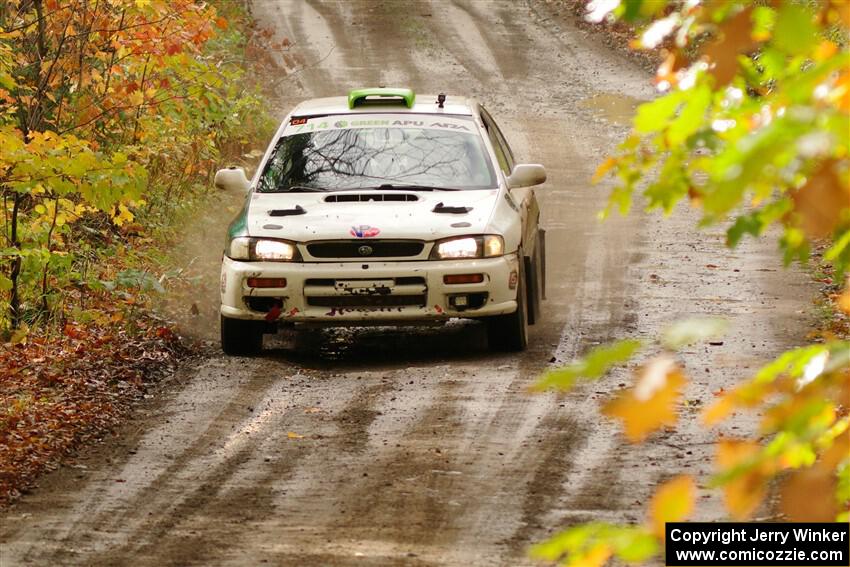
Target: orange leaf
{"points": [[666, 72], [596, 557], [798, 503], [825, 50], [745, 492], [652, 403], [221, 23], [718, 411], [73, 331], [603, 168], [836, 453], [673, 502], [293, 435], [734, 38], [842, 9], [821, 200]]}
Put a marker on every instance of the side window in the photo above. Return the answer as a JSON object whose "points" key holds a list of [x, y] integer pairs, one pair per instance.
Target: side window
{"points": [[492, 131], [500, 145]]}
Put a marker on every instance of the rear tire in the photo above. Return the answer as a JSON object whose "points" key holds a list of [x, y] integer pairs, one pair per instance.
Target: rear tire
{"points": [[509, 333], [240, 337]]}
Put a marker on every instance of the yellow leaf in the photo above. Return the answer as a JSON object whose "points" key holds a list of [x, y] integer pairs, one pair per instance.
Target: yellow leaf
{"points": [[19, 335], [673, 502], [603, 168], [122, 215], [652, 403], [293, 435], [141, 4], [136, 98]]}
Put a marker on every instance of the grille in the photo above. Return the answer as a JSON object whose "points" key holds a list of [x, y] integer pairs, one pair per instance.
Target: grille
{"points": [[409, 291], [330, 282], [352, 301], [366, 197], [373, 248]]}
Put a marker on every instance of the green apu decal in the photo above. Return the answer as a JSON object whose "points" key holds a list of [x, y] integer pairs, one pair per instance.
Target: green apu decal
{"points": [[313, 125]]}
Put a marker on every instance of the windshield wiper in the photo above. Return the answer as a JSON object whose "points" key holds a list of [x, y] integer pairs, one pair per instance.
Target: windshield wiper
{"points": [[301, 189], [402, 187]]}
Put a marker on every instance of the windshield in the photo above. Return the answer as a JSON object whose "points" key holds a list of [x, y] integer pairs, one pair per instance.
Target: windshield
{"points": [[448, 154]]}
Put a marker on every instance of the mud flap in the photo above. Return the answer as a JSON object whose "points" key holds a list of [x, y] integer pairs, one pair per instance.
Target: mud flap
{"points": [[532, 290], [541, 257]]}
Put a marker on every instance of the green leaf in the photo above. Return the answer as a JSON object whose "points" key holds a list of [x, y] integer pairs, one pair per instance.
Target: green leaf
{"points": [[764, 18], [653, 116], [795, 31], [631, 9], [695, 329], [5, 283], [670, 186], [838, 248], [791, 363], [593, 365], [755, 223], [692, 116], [633, 544]]}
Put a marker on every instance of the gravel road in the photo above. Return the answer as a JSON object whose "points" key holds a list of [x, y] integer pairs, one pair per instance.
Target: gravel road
{"points": [[420, 447]]}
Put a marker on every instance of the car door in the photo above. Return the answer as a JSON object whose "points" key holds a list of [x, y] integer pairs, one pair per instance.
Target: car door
{"points": [[524, 196]]}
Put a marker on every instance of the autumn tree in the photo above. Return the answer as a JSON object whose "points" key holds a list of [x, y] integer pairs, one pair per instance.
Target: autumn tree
{"points": [[752, 128], [106, 108]]}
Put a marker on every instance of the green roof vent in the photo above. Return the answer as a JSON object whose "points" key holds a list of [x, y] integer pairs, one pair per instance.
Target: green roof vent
{"points": [[381, 95]]}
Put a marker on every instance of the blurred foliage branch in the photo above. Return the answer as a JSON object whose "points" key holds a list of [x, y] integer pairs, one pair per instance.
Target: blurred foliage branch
{"points": [[752, 129]]}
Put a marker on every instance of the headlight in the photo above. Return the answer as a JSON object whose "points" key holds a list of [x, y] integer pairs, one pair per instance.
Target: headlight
{"points": [[263, 249], [469, 247]]}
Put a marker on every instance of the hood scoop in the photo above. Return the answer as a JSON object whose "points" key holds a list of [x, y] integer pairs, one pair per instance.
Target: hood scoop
{"points": [[440, 208], [298, 210], [367, 197]]}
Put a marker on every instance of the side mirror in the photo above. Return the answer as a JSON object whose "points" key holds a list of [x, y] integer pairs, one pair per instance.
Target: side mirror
{"points": [[526, 175], [232, 179]]}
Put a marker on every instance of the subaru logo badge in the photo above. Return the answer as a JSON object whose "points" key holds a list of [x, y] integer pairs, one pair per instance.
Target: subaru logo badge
{"points": [[364, 250]]}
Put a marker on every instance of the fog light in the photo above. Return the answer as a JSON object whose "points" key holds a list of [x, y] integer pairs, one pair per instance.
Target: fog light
{"points": [[463, 278], [266, 282], [461, 301], [512, 279]]}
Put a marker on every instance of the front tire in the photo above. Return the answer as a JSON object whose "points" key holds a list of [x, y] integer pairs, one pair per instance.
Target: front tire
{"points": [[509, 333], [240, 337]]}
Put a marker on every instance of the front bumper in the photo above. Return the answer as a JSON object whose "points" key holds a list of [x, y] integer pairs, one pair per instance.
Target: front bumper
{"points": [[376, 292]]}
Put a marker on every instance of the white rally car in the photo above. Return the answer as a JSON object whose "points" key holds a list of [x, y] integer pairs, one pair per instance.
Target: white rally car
{"points": [[383, 208]]}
